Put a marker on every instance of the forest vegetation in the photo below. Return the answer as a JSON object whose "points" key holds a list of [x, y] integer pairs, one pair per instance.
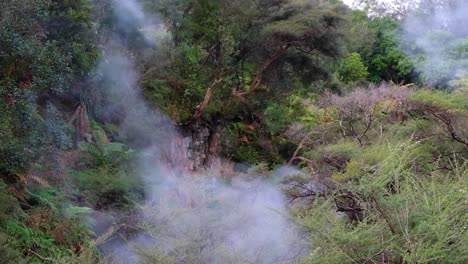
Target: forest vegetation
{"points": [[367, 107]]}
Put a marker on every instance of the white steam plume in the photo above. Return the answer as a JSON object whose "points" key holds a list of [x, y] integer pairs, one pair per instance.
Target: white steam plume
{"points": [[438, 40], [131, 16], [201, 217]]}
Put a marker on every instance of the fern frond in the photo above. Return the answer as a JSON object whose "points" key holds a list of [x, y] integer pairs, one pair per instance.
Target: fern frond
{"points": [[37, 179]]}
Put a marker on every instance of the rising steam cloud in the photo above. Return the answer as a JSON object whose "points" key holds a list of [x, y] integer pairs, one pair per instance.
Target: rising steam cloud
{"points": [[438, 41], [202, 217], [131, 16]]}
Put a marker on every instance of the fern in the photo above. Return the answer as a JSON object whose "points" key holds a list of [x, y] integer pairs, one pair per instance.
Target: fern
{"points": [[8, 253], [76, 211]]}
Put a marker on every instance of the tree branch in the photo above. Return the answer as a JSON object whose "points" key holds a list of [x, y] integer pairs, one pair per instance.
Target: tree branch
{"points": [[259, 76], [209, 93]]}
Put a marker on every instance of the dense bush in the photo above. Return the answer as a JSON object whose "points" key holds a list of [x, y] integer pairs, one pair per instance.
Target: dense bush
{"points": [[270, 83], [108, 175], [392, 189]]}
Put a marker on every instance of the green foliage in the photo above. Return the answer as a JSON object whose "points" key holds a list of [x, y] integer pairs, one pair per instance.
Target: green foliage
{"points": [[247, 153], [354, 170], [388, 176], [352, 69], [48, 229], [382, 54], [31, 136], [279, 115], [9, 206], [32, 238], [451, 102], [8, 252], [108, 176], [37, 63], [337, 241], [345, 150], [235, 42], [71, 23], [87, 257], [416, 219], [266, 55], [389, 198]]}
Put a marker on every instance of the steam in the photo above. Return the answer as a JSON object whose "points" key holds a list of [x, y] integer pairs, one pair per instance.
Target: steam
{"points": [[122, 103], [440, 36], [196, 217], [131, 17], [216, 222]]}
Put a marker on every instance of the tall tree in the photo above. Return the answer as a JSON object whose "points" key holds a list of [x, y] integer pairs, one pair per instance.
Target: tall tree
{"points": [[226, 49]]}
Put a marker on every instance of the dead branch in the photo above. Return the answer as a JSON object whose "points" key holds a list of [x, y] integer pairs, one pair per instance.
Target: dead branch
{"points": [[299, 147], [209, 93], [448, 120]]}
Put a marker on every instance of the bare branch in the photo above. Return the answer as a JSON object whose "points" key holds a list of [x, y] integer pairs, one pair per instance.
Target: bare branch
{"points": [[209, 93]]}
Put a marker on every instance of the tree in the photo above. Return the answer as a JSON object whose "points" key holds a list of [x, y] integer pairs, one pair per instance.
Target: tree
{"points": [[228, 49], [394, 8], [32, 67], [352, 69], [388, 61], [378, 39], [71, 23]]}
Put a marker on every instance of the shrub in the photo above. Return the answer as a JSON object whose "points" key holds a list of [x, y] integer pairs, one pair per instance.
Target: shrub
{"points": [[109, 177], [352, 69], [409, 216]]}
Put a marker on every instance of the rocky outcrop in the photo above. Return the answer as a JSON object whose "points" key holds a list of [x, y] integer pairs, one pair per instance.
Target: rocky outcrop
{"points": [[202, 144]]}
